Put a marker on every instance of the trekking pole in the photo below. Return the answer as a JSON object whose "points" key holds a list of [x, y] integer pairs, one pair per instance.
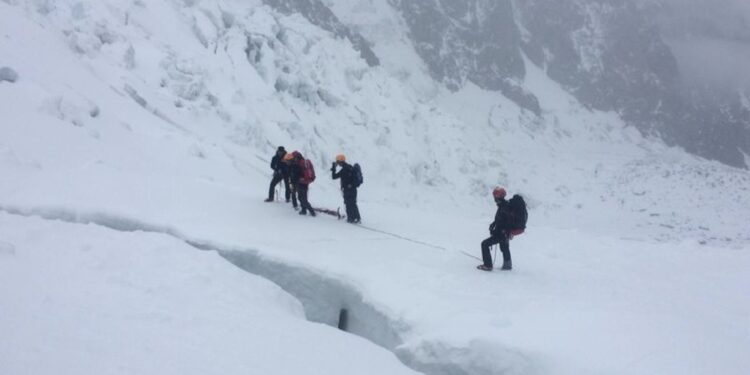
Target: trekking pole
{"points": [[495, 257]]}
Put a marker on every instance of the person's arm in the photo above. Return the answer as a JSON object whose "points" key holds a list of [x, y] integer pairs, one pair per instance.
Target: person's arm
{"points": [[334, 174]]}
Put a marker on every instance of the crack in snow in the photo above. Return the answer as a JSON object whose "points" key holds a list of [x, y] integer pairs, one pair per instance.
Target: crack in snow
{"points": [[325, 299]]}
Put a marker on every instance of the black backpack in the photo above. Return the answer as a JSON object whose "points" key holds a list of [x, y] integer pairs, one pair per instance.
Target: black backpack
{"points": [[358, 179], [518, 212]]}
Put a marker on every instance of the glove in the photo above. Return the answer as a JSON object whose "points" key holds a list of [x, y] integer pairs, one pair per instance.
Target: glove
{"points": [[333, 167], [492, 228]]}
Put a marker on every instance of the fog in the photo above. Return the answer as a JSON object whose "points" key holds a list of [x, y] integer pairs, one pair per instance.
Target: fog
{"points": [[710, 39]]}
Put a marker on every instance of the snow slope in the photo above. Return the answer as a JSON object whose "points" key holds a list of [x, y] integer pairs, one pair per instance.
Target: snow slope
{"points": [[159, 119], [85, 299]]}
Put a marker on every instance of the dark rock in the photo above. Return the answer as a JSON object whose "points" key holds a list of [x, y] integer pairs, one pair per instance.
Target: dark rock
{"points": [[8, 74]]}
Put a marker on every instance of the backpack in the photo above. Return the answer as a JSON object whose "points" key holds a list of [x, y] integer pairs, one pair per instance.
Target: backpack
{"points": [[308, 172], [519, 215], [358, 179]]}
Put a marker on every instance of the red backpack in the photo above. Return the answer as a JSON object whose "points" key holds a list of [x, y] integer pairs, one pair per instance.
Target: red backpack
{"points": [[308, 172]]}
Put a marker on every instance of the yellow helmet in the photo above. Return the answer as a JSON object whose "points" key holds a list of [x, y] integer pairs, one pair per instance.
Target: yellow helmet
{"points": [[340, 157]]}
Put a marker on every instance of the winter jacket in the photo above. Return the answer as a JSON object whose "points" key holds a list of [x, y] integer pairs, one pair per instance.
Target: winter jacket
{"points": [[296, 170], [503, 218], [284, 169], [276, 164], [346, 174]]}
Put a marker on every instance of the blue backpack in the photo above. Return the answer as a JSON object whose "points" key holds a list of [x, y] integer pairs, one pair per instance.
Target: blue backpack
{"points": [[358, 179]]}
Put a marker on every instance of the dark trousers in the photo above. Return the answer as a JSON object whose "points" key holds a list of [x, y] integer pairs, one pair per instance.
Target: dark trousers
{"points": [[278, 177], [350, 201], [289, 191], [501, 239], [303, 202]]}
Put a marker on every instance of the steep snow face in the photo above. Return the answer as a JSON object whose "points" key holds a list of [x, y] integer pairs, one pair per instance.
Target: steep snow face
{"points": [[238, 73], [611, 57], [320, 15], [608, 54], [469, 41], [603, 52], [235, 80]]}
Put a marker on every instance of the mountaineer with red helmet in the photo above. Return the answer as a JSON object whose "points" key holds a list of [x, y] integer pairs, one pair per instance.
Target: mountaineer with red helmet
{"points": [[510, 220]]}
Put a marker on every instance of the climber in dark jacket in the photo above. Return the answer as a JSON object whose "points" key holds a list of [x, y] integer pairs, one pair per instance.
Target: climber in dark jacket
{"points": [[301, 182], [498, 233], [279, 171], [349, 186]]}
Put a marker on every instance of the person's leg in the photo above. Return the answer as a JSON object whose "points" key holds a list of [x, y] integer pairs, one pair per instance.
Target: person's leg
{"points": [[303, 200], [349, 213], [307, 201], [287, 190], [348, 197], [293, 187], [486, 255], [275, 180], [355, 208], [505, 248], [302, 195]]}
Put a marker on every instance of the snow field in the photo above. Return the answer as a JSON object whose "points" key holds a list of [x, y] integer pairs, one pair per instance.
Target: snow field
{"points": [[161, 117], [570, 295], [85, 299]]}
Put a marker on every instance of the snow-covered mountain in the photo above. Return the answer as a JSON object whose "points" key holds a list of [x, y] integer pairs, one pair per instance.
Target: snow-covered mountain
{"points": [[159, 119], [609, 54], [540, 68]]}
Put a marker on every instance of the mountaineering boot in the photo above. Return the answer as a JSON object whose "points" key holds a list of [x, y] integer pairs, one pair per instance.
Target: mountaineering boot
{"points": [[482, 267], [268, 200], [507, 265], [312, 213], [303, 212]]}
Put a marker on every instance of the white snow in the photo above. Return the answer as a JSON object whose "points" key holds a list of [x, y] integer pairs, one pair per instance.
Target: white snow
{"points": [[158, 119], [84, 299]]}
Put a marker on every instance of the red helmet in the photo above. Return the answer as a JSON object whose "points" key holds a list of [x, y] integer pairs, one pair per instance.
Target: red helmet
{"points": [[499, 193]]}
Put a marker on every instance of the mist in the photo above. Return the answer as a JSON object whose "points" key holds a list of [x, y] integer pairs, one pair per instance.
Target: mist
{"points": [[709, 38]]}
